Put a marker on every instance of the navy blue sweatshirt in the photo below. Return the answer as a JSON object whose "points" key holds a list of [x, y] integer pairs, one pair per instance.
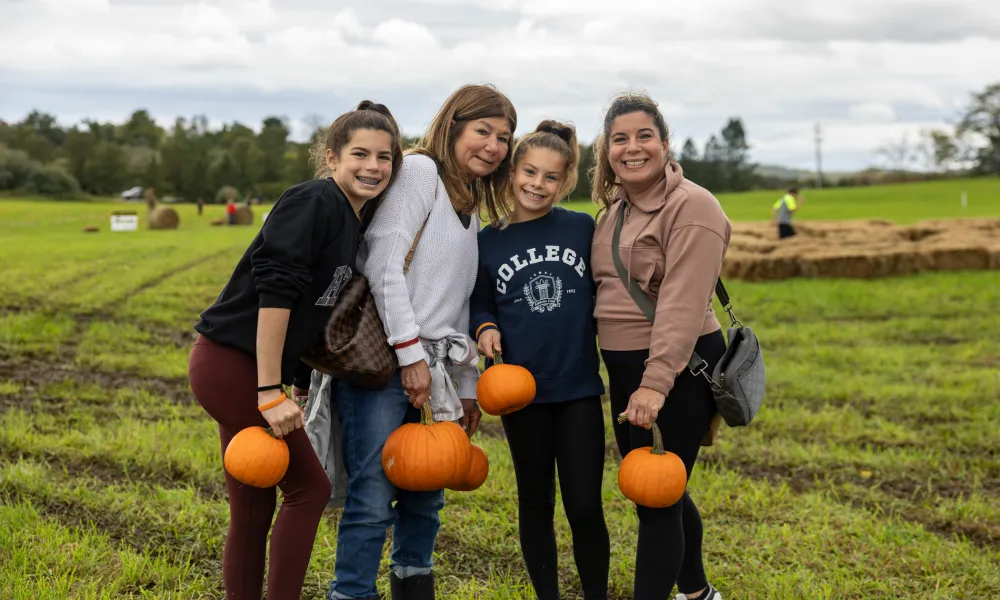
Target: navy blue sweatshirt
{"points": [[535, 286], [306, 247]]}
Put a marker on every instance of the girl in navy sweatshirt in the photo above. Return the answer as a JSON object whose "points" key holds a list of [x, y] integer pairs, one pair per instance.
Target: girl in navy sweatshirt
{"points": [[534, 302], [270, 313]]}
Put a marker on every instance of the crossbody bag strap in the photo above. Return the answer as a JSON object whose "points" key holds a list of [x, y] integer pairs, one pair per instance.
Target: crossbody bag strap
{"points": [[413, 248], [645, 303], [697, 364]]}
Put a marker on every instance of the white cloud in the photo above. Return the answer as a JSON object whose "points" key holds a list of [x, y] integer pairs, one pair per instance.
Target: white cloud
{"points": [[872, 111], [781, 66], [404, 35], [347, 22]]}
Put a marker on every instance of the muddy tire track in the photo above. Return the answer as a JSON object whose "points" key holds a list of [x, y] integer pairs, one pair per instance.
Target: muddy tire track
{"points": [[107, 308], [138, 533], [37, 375], [109, 471]]}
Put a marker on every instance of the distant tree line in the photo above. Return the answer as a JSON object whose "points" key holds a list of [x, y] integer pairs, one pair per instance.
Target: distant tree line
{"points": [[189, 160]]}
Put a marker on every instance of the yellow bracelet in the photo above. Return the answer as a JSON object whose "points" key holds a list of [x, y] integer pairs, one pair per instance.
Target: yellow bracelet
{"points": [[273, 403], [486, 324]]}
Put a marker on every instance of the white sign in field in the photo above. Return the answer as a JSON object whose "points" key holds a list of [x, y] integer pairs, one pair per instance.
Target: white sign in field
{"points": [[124, 222]]}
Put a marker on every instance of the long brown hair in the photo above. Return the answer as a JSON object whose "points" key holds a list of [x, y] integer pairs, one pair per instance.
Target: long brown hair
{"points": [[604, 181], [552, 135], [468, 103], [367, 115]]}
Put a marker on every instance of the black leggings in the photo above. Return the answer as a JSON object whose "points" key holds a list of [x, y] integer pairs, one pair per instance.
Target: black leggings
{"points": [[669, 548], [570, 434]]}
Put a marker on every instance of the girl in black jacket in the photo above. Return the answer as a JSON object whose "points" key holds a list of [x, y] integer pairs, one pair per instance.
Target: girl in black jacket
{"points": [[271, 312]]}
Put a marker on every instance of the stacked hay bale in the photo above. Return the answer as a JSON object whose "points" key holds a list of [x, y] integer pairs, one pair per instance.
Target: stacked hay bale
{"points": [[862, 249]]}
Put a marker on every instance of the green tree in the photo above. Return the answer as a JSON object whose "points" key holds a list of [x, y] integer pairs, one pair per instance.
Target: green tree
{"points": [[141, 130], [737, 170], [272, 142], [982, 120]]}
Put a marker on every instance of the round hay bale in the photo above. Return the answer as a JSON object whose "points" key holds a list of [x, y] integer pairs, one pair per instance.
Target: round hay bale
{"points": [[163, 217], [91, 229], [244, 215]]}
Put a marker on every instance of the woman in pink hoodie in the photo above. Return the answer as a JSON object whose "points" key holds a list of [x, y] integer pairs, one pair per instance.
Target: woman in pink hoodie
{"points": [[673, 238]]}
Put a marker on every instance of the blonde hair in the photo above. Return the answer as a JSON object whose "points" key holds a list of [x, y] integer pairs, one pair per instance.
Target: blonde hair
{"points": [[604, 181], [551, 135], [466, 104]]}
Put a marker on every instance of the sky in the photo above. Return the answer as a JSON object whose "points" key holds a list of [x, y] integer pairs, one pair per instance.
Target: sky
{"points": [[868, 73]]}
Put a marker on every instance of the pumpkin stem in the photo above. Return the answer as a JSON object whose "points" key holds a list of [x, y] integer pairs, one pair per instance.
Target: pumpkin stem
{"points": [[497, 357], [657, 436], [426, 416], [657, 441]]}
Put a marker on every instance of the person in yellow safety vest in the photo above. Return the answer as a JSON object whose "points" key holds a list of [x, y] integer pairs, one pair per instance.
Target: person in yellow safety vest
{"points": [[784, 209]]}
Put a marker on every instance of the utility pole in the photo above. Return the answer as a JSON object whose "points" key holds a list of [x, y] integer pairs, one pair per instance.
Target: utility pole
{"points": [[819, 157]]}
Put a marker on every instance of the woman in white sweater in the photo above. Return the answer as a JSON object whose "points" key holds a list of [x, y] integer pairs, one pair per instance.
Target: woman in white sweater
{"points": [[454, 173]]}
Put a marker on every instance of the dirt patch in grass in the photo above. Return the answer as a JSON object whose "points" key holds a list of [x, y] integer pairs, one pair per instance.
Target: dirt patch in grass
{"points": [[113, 473], [491, 428], [38, 374], [862, 249]]}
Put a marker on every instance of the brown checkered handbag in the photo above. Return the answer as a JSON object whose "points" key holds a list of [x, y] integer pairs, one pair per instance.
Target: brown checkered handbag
{"points": [[353, 347]]}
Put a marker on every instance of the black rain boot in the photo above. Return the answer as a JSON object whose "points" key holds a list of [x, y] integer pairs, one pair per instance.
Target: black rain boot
{"points": [[418, 587]]}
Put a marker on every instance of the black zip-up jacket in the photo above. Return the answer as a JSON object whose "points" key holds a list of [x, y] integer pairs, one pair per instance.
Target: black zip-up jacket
{"points": [[309, 240]]}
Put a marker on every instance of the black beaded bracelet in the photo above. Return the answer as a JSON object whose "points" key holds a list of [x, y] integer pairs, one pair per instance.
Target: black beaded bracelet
{"points": [[265, 388]]}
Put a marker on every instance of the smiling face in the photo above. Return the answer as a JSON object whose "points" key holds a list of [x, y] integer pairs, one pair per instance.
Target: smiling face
{"points": [[482, 146], [636, 151], [537, 180], [363, 166]]}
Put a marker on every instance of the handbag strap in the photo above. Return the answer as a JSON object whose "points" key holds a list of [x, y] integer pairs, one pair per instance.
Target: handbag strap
{"points": [[413, 247], [697, 364]]}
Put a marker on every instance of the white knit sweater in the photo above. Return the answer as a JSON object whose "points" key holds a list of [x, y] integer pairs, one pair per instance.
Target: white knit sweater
{"points": [[431, 301]]}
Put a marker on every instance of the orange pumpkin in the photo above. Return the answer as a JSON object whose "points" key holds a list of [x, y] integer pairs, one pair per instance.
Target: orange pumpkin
{"points": [[651, 476], [476, 472], [256, 458], [426, 456], [504, 388]]}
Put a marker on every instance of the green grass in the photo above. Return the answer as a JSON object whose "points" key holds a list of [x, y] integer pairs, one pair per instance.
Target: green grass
{"points": [[872, 471], [903, 203]]}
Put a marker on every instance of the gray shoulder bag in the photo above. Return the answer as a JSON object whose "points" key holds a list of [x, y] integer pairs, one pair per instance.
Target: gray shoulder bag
{"points": [[738, 379]]}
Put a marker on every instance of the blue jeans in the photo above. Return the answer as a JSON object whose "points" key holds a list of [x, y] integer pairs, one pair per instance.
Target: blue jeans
{"points": [[367, 417]]}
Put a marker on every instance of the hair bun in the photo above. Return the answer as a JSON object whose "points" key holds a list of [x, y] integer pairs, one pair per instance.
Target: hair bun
{"points": [[374, 106], [565, 132]]}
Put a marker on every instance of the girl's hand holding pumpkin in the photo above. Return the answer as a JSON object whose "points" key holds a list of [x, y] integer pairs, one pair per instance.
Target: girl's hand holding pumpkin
{"points": [[489, 342], [284, 418], [470, 416], [644, 406]]}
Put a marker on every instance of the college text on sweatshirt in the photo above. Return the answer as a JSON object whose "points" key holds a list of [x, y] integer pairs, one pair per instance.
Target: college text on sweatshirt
{"points": [[534, 285]]}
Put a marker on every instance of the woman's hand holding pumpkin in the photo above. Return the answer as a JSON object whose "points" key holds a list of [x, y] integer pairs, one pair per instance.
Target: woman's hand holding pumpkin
{"points": [[283, 418], [417, 382], [644, 406], [489, 342]]}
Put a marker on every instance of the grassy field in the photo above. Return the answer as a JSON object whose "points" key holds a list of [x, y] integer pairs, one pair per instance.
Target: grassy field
{"points": [[873, 470]]}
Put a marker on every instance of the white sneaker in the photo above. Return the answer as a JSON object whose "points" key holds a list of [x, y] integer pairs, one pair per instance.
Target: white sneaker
{"points": [[710, 593]]}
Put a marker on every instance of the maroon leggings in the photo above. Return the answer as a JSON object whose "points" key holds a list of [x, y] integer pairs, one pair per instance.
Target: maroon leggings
{"points": [[224, 380]]}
